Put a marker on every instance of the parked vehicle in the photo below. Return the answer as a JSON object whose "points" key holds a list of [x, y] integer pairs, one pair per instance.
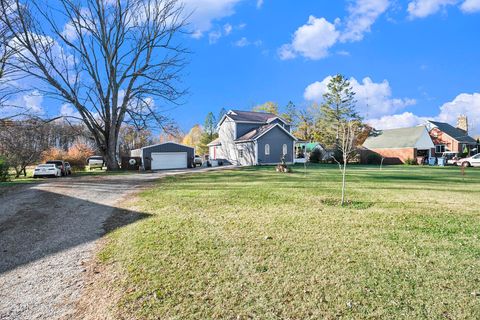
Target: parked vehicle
{"points": [[473, 161], [47, 170], [451, 158], [60, 164], [68, 168], [197, 160], [95, 162]]}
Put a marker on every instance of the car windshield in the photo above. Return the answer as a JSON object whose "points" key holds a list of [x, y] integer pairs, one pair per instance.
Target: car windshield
{"points": [[46, 166]]}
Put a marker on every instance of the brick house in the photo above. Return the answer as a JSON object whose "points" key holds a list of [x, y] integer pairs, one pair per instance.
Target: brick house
{"points": [[397, 146], [448, 138]]}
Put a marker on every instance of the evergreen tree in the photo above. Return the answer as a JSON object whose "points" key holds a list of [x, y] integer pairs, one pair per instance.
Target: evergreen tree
{"points": [[209, 133], [338, 107]]}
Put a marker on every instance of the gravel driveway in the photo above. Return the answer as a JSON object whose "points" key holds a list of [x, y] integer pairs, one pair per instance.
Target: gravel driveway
{"points": [[47, 231]]}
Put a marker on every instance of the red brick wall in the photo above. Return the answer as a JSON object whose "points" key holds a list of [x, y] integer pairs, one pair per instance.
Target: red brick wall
{"points": [[392, 156], [439, 137]]}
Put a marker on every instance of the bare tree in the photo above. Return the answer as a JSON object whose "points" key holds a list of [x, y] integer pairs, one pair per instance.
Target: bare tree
{"points": [[114, 61], [348, 131], [22, 143]]}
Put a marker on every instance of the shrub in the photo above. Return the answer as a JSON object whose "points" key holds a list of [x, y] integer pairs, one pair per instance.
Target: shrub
{"points": [[78, 154], [374, 158], [4, 175], [316, 156], [410, 162], [53, 154]]}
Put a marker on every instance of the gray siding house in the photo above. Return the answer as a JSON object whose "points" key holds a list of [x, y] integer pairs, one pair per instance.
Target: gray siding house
{"points": [[253, 138]]}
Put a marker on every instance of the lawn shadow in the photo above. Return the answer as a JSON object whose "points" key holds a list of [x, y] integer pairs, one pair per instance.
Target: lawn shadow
{"points": [[36, 223]]}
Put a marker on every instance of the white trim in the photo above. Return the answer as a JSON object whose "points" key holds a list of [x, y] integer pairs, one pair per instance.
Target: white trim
{"points": [[284, 146], [256, 152], [265, 149], [279, 118], [277, 125]]}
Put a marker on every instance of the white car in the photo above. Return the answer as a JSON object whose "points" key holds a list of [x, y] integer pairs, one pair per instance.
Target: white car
{"points": [[473, 161], [47, 170]]}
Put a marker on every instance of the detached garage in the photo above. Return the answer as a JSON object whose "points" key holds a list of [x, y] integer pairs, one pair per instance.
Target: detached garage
{"points": [[164, 156]]}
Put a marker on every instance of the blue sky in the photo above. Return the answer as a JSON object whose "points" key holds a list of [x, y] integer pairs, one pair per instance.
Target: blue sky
{"points": [[408, 60], [418, 57]]}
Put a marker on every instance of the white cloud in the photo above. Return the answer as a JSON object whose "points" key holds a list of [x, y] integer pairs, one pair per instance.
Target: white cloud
{"points": [[66, 110], [363, 15], [463, 104], [30, 102], [373, 99], [403, 120], [470, 6], [244, 42], [259, 4], [214, 36], [204, 12], [424, 8], [227, 29], [312, 40]]}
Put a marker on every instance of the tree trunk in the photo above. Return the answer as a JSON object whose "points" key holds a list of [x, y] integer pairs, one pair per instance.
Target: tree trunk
{"points": [[343, 181], [111, 159]]}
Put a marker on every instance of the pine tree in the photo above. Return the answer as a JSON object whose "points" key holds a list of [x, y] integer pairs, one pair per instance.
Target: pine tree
{"points": [[339, 106]]}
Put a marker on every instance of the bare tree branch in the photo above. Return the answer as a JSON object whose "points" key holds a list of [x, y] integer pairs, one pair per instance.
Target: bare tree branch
{"points": [[115, 62]]}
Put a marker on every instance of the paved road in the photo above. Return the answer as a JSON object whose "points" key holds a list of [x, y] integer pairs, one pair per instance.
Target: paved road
{"points": [[48, 230]]}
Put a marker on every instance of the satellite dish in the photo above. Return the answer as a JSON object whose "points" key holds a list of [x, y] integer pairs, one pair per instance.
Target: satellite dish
{"points": [[132, 162]]}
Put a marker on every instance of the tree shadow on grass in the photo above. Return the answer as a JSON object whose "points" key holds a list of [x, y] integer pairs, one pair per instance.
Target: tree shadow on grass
{"points": [[37, 223]]}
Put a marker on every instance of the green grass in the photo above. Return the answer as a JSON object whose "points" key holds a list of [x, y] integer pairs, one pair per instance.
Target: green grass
{"points": [[253, 243]]}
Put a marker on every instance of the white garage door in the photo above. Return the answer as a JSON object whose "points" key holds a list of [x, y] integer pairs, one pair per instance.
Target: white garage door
{"points": [[169, 160]]}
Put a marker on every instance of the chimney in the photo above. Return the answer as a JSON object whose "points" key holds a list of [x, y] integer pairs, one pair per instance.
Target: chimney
{"points": [[462, 123]]}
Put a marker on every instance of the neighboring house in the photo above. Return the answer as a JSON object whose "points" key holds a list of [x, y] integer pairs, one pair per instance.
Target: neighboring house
{"points": [[448, 138], [397, 146], [253, 138]]}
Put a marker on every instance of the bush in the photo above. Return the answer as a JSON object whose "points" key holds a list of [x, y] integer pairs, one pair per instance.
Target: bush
{"points": [[4, 175], [76, 155], [410, 162], [374, 158], [316, 156]]}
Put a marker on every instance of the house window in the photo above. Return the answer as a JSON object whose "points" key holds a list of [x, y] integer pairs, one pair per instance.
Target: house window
{"points": [[267, 149], [285, 149], [440, 148], [240, 153]]}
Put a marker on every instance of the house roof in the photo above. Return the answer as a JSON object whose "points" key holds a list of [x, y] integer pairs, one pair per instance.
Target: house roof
{"points": [[413, 137], [215, 142], [453, 132], [251, 117], [260, 131]]}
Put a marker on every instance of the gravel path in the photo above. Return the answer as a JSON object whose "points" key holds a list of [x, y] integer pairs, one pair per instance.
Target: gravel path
{"points": [[47, 232]]}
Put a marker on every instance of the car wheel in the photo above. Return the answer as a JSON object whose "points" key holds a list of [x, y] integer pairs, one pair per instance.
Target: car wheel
{"points": [[466, 164]]}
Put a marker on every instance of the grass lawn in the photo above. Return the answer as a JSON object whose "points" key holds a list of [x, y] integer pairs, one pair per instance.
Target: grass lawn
{"points": [[253, 243]]}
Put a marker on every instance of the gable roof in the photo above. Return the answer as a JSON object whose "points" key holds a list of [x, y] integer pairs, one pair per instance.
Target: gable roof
{"points": [[453, 132], [260, 131], [414, 137], [251, 117], [215, 142]]}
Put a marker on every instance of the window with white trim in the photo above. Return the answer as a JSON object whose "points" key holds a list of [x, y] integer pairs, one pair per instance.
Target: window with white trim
{"points": [[440, 148], [267, 149], [285, 149]]}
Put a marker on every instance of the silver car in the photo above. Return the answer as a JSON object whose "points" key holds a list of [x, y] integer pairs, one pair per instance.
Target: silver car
{"points": [[473, 161]]}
